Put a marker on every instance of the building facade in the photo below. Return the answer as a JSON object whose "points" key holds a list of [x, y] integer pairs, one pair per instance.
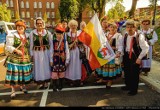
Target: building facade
{"points": [[31, 9]]}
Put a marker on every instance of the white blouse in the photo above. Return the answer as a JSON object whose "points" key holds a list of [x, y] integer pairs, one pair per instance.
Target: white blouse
{"points": [[10, 41], [143, 44]]}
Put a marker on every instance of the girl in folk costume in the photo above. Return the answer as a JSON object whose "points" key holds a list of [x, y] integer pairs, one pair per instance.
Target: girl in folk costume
{"points": [[19, 67], [151, 37], [104, 24], [111, 70], [41, 50], [74, 70], [60, 57], [84, 55]]}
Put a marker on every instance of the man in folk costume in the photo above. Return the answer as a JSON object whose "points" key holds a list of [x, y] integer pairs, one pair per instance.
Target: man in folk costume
{"points": [[41, 50], [19, 67], [60, 57], [135, 48], [151, 37]]}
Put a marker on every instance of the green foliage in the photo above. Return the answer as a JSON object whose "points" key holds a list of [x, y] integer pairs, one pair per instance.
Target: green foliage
{"points": [[118, 11], [5, 14], [69, 9]]}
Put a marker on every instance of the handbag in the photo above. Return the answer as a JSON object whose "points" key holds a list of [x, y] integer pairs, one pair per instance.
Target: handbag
{"points": [[118, 61]]}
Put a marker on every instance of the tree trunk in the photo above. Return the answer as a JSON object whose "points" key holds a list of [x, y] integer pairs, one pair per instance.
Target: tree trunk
{"points": [[131, 13], [79, 19]]}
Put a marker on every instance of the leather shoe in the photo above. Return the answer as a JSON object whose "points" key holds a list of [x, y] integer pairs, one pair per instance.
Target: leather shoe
{"points": [[132, 93], [125, 88]]}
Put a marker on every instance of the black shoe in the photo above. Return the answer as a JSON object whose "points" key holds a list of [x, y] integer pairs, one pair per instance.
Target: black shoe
{"points": [[108, 87], [132, 93], [24, 90], [125, 88], [41, 87]]}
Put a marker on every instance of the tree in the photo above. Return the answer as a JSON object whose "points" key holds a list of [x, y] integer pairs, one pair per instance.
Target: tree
{"points": [[99, 6], [133, 8], [5, 14], [82, 5], [118, 11], [68, 9]]}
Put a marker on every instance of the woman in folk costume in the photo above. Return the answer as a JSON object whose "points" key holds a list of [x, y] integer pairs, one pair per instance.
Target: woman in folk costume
{"points": [[84, 55], [18, 62], [104, 24], [60, 57], [74, 70], [151, 37], [111, 70], [41, 50]]}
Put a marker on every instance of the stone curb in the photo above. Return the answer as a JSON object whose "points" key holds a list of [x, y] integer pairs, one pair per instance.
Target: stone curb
{"points": [[155, 84]]}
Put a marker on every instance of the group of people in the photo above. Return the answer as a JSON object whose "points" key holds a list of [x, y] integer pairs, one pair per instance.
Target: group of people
{"points": [[133, 49], [44, 57]]}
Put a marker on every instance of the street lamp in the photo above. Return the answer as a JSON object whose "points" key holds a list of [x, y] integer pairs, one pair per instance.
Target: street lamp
{"points": [[154, 14]]}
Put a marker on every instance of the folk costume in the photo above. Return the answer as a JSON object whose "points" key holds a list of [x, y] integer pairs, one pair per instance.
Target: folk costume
{"points": [[135, 47], [111, 70], [19, 68], [84, 56], [41, 48], [60, 58], [74, 69], [151, 37], [18, 63]]}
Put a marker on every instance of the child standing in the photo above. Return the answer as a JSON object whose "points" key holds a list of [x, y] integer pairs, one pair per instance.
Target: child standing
{"points": [[60, 57]]}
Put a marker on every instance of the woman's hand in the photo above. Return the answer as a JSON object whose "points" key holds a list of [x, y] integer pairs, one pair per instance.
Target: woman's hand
{"points": [[19, 52]]}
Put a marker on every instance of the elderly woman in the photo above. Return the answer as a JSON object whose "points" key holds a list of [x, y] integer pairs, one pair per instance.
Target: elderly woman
{"points": [[73, 72], [111, 70], [41, 50], [18, 63]]}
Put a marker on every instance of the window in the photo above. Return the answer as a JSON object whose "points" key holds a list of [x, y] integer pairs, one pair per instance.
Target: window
{"points": [[27, 4], [52, 5], [53, 15], [11, 3], [28, 14], [22, 4], [23, 14], [47, 5], [7, 2], [40, 14], [48, 14], [35, 4], [12, 14], [35, 14], [40, 4], [28, 23], [53, 23]]}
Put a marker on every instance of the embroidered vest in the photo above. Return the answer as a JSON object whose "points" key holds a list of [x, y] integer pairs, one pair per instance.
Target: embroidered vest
{"points": [[43, 45]]}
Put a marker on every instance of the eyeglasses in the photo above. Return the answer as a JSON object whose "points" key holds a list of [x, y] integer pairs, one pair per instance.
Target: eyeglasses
{"points": [[145, 24], [39, 23]]}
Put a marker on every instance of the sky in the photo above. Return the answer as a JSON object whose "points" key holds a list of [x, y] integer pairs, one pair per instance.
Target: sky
{"points": [[127, 4]]}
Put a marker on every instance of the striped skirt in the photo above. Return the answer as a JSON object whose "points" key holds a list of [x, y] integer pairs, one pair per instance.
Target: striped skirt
{"points": [[18, 74], [109, 71]]}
